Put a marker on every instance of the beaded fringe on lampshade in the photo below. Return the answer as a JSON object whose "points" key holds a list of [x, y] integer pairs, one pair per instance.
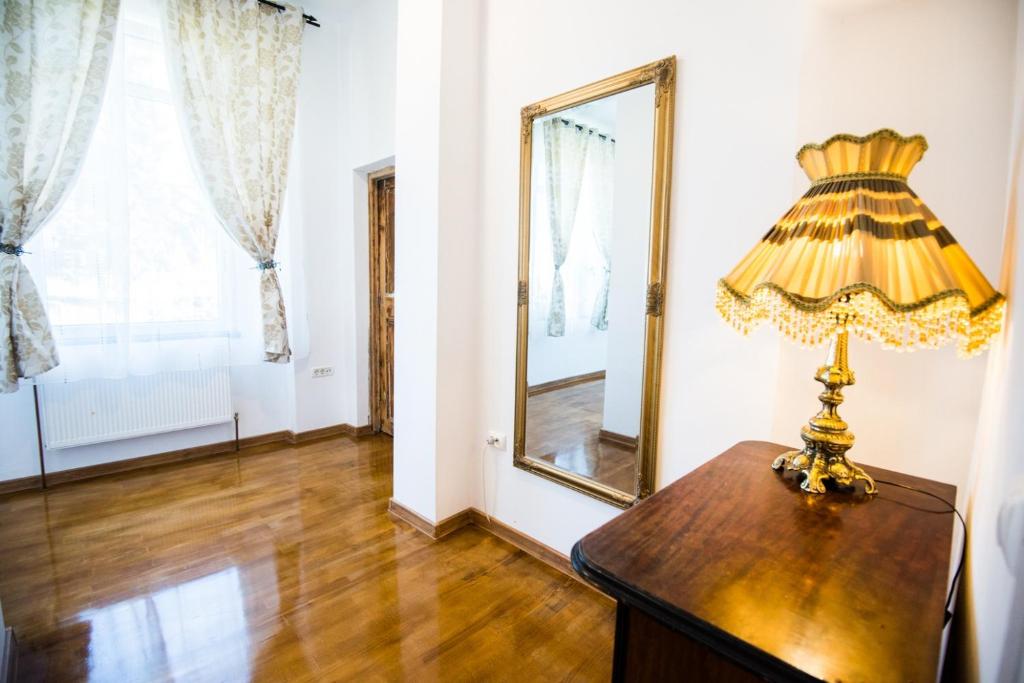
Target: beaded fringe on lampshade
{"points": [[860, 251]]}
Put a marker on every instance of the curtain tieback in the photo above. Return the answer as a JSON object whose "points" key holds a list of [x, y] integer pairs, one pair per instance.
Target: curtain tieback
{"points": [[269, 264], [12, 249]]}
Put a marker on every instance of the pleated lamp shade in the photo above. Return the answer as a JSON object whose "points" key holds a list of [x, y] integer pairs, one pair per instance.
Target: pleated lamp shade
{"points": [[861, 252]]}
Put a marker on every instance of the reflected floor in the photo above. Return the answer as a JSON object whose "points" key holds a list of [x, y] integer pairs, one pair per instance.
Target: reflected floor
{"points": [[279, 566], [562, 428]]}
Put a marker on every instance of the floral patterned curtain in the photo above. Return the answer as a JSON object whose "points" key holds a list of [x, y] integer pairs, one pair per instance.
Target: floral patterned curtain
{"points": [[235, 66], [56, 55], [565, 151]]}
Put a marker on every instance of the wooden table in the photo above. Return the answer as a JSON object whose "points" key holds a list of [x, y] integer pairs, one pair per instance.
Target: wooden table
{"points": [[734, 573]]}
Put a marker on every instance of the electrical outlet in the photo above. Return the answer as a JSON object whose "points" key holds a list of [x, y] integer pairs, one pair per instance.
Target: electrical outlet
{"points": [[496, 440], [323, 371]]}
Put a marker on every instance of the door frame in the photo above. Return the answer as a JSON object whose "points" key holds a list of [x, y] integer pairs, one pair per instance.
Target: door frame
{"points": [[374, 274]]}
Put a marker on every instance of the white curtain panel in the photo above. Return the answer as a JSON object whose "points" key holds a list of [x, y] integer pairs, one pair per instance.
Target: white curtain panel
{"points": [[56, 55], [137, 276], [235, 66], [601, 165], [565, 153]]}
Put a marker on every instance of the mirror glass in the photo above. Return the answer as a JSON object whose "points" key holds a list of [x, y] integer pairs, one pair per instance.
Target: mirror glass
{"points": [[589, 245]]}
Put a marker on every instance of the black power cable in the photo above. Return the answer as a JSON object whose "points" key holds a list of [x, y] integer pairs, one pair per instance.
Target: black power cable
{"points": [[963, 546]]}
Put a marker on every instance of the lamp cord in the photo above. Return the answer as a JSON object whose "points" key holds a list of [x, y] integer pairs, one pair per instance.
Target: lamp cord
{"points": [[963, 546], [483, 480]]}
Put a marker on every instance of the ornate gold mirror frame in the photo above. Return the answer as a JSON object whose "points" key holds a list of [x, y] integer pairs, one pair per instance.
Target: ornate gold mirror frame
{"points": [[662, 75]]}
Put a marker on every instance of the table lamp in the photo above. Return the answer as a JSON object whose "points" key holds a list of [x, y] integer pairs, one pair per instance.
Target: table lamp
{"points": [[858, 253]]}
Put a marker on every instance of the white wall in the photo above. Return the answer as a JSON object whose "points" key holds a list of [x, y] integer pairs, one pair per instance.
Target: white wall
{"points": [[627, 296], [326, 227], [368, 83], [577, 352], [459, 352], [417, 133], [911, 412], [345, 127], [436, 253]]}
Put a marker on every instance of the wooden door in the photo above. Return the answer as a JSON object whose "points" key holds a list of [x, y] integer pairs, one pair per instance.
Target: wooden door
{"points": [[382, 300]]}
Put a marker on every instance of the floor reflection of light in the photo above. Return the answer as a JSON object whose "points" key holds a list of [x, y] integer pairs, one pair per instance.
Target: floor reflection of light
{"points": [[159, 635], [575, 459]]}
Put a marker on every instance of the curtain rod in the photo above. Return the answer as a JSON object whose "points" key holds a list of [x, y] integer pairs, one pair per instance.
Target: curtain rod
{"points": [[590, 130], [311, 20]]}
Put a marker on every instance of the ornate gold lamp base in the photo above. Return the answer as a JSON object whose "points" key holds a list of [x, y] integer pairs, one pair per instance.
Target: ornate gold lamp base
{"points": [[826, 437]]}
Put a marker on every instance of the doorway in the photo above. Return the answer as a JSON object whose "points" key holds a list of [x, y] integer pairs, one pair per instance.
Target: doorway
{"points": [[382, 300]]}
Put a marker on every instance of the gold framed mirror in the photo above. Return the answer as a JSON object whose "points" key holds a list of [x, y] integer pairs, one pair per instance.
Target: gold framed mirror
{"points": [[595, 173]]}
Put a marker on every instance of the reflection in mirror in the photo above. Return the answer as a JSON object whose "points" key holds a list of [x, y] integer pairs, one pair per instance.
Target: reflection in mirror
{"points": [[590, 232]]}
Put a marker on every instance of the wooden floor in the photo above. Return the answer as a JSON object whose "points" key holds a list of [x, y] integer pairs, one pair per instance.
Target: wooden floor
{"points": [[562, 428], [279, 566]]}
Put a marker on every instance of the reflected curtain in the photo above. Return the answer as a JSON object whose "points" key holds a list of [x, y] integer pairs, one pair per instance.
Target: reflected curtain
{"points": [[235, 66], [565, 153], [601, 162], [56, 55]]}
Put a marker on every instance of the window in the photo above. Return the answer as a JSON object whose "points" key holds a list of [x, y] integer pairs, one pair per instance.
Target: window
{"points": [[137, 274], [135, 242]]}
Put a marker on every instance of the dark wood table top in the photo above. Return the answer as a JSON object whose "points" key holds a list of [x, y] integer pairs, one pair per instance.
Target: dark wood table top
{"points": [[841, 587]]}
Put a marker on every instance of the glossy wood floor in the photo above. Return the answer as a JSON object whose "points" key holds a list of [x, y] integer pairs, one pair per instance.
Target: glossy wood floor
{"points": [[562, 428], [279, 566]]}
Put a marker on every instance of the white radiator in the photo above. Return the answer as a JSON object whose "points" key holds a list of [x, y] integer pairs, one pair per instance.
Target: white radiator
{"points": [[95, 411]]}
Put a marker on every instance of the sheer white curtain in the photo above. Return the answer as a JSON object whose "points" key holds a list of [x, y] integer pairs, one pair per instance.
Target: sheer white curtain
{"points": [[137, 275], [601, 175]]}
